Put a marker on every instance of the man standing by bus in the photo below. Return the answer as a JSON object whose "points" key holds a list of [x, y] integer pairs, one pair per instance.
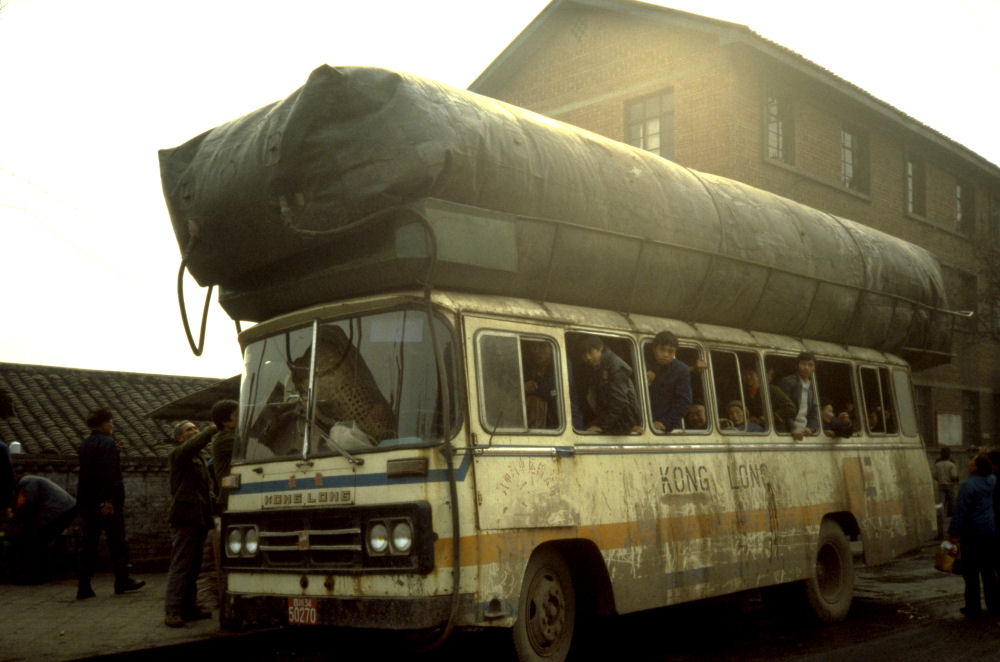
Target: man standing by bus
{"points": [[799, 388], [100, 499], [190, 521]]}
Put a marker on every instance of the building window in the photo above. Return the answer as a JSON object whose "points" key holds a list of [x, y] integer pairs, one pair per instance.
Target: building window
{"points": [[780, 129], [916, 188], [965, 208], [650, 123], [854, 159], [970, 418]]}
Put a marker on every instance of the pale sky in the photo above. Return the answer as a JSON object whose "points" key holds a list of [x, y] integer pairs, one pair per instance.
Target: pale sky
{"points": [[89, 91]]}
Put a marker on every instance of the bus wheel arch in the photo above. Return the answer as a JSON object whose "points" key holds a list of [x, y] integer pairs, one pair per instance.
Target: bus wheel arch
{"points": [[564, 584], [830, 587]]}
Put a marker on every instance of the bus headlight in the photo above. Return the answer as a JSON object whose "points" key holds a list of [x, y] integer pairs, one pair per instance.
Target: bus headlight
{"points": [[250, 545], [378, 538], [402, 537], [242, 541], [234, 541]]}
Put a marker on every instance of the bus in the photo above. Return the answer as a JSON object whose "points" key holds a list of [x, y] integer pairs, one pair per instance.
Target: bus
{"points": [[413, 452]]}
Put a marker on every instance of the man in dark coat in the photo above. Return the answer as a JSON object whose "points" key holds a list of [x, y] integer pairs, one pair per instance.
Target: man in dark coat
{"points": [[100, 497], [615, 405], [973, 527], [190, 521]]}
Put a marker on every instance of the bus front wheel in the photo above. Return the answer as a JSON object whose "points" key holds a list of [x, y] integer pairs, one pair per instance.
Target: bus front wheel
{"points": [[546, 609], [831, 587]]}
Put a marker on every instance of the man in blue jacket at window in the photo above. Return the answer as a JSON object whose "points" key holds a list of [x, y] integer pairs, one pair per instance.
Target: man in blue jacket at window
{"points": [[669, 384]]}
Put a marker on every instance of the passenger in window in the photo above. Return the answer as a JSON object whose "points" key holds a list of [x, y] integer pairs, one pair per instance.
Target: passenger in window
{"points": [[539, 384], [875, 420], [669, 384], [798, 387], [836, 425], [611, 393], [754, 400], [697, 417], [735, 411]]}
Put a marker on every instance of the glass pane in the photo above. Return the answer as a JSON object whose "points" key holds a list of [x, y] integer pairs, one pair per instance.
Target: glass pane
{"points": [[652, 127], [907, 419], [753, 392], [500, 383], [890, 422], [652, 143], [272, 407], [635, 111], [726, 381], [652, 107], [635, 135], [872, 394], [541, 388]]}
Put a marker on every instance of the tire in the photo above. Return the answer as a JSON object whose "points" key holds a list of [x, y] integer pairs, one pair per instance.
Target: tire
{"points": [[547, 609], [831, 587]]}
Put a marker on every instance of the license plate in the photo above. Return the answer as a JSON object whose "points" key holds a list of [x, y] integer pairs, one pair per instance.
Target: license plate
{"points": [[302, 611]]}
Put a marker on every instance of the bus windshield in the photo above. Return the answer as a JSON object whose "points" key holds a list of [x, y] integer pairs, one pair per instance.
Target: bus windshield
{"points": [[346, 386]]}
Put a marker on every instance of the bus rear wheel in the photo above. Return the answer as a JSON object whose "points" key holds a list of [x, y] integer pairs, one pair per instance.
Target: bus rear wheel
{"points": [[831, 587], [547, 610]]}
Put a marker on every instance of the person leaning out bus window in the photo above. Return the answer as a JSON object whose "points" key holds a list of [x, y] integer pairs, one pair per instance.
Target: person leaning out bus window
{"points": [[798, 387], [669, 384], [611, 392]]}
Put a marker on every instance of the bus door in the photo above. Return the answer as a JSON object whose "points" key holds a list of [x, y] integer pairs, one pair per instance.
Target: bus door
{"points": [[523, 460]]}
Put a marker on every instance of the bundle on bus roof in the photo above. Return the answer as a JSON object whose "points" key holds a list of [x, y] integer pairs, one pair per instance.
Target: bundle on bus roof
{"points": [[346, 187]]}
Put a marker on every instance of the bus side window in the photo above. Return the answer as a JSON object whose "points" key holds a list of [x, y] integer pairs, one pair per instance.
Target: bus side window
{"points": [[604, 382], [518, 388], [879, 409], [736, 378], [837, 399]]}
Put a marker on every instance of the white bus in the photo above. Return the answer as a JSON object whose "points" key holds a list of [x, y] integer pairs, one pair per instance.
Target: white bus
{"points": [[424, 266], [382, 434]]}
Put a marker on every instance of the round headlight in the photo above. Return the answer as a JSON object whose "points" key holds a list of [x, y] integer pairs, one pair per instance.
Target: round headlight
{"points": [[378, 538], [234, 541], [250, 542], [402, 536]]}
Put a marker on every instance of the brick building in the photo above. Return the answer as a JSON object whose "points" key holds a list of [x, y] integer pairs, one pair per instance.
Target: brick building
{"points": [[717, 97]]}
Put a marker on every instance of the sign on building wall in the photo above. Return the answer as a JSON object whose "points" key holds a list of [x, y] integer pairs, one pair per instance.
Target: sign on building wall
{"points": [[949, 429]]}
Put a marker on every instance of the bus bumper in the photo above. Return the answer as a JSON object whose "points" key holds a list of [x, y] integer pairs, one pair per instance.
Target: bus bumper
{"points": [[239, 612]]}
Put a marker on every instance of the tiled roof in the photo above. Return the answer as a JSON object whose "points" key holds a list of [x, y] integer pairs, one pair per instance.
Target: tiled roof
{"points": [[50, 404]]}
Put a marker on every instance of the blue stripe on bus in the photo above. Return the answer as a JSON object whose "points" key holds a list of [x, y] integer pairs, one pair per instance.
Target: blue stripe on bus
{"points": [[356, 480]]}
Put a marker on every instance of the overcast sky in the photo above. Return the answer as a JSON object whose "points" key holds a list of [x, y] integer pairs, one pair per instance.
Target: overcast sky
{"points": [[89, 91]]}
